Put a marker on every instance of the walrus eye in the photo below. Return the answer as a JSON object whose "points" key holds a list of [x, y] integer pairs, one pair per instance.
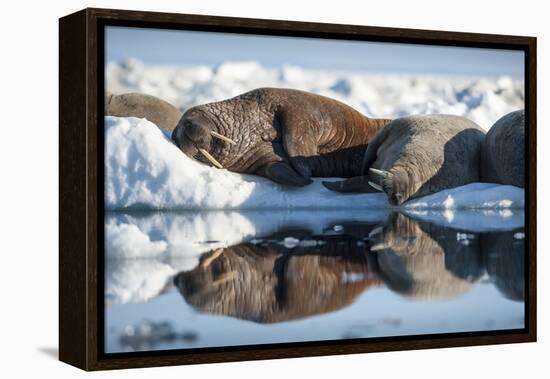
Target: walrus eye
{"points": [[398, 197]]}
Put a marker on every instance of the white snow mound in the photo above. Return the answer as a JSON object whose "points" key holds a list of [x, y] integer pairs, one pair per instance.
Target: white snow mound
{"points": [[145, 170]]}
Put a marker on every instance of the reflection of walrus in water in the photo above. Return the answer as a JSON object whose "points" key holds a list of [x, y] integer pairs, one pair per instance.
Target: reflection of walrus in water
{"points": [[272, 283], [503, 159], [423, 260], [504, 254], [418, 155]]}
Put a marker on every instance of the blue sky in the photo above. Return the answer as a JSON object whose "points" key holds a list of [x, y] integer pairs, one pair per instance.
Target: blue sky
{"points": [[160, 46]]}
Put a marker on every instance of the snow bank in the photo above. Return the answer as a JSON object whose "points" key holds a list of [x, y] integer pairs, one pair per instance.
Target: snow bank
{"points": [[471, 196], [483, 100], [145, 170]]}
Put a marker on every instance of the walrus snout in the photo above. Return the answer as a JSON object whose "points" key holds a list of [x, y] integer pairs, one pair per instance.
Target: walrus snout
{"points": [[192, 129], [194, 134]]}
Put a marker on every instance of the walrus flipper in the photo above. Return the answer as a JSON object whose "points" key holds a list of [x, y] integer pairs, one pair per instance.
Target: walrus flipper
{"points": [[371, 153], [282, 173], [299, 141]]}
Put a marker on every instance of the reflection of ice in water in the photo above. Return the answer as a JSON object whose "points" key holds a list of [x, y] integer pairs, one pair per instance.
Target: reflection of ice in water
{"points": [[177, 239], [424, 276]]}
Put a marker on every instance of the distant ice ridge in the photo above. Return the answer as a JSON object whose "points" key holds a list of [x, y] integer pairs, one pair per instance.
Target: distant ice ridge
{"points": [[483, 100], [145, 170]]}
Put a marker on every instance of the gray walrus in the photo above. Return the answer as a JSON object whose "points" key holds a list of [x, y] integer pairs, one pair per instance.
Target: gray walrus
{"points": [[503, 154], [422, 260], [504, 253], [418, 155], [285, 135], [158, 111]]}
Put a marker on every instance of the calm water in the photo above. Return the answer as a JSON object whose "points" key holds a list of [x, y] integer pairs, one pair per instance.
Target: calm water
{"points": [[202, 279]]}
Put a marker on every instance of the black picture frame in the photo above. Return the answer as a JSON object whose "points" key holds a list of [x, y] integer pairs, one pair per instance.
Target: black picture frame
{"points": [[81, 57]]}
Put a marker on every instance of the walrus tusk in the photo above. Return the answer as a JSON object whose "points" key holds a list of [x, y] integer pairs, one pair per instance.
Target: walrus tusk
{"points": [[376, 186], [382, 173], [210, 158], [208, 260], [222, 137], [224, 278], [376, 231], [379, 246]]}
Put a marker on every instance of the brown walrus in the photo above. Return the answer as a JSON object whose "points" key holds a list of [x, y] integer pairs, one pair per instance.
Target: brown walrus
{"points": [[271, 283], [285, 135], [504, 151], [418, 155], [158, 111]]}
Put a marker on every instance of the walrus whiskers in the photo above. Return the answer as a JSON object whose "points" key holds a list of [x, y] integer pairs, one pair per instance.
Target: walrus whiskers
{"points": [[222, 137], [376, 186], [210, 158]]}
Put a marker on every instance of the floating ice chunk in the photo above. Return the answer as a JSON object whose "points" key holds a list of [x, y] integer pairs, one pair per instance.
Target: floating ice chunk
{"points": [[506, 213], [449, 202], [353, 277], [290, 242], [464, 236], [309, 243], [449, 215], [519, 236]]}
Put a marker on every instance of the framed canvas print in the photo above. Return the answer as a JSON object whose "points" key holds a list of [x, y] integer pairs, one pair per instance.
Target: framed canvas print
{"points": [[238, 189]]}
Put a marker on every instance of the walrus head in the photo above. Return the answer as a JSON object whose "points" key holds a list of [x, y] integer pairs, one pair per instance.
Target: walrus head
{"points": [[195, 134], [393, 183]]}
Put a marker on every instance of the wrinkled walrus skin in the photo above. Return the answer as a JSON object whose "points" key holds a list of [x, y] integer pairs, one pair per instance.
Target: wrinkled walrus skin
{"points": [[158, 111], [504, 151], [419, 155], [285, 135]]}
